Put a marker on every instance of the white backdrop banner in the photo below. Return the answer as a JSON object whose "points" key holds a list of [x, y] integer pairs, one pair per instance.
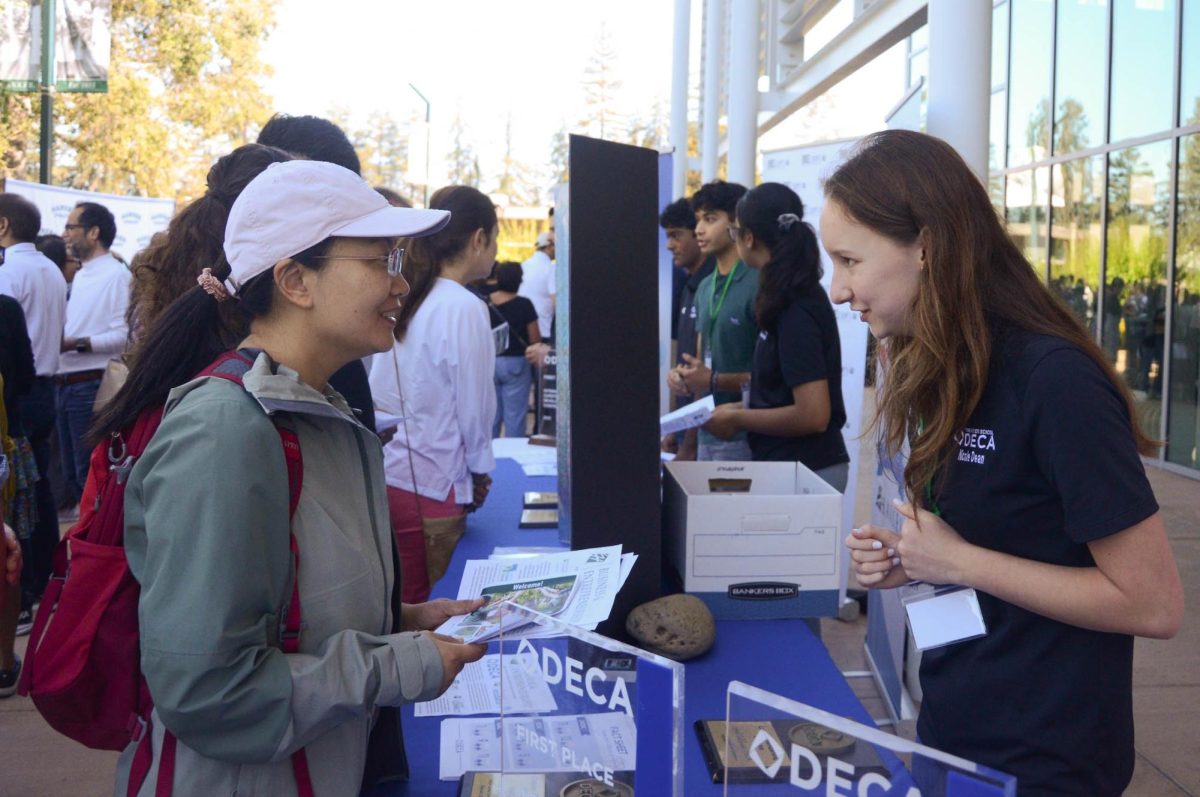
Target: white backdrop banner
{"points": [[137, 217], [803, 169]]}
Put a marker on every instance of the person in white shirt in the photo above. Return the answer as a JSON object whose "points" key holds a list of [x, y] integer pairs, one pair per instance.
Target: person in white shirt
{"points": [[539, 283], [39, 287], [95, 331], [438, 379]]}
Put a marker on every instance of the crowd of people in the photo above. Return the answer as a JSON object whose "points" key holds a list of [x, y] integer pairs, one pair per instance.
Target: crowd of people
{"points": [[324, 368]]}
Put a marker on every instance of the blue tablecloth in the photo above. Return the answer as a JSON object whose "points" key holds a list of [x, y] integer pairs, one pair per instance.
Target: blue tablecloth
{"points": [[780, 656]]}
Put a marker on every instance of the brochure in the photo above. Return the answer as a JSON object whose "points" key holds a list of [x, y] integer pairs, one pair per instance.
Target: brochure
{"points": [[476, 690], [567, 743], [688, 417], [546, 595]]}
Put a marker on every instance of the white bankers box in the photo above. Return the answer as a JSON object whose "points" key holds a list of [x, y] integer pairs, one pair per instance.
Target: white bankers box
{"points": [[754, 540]]}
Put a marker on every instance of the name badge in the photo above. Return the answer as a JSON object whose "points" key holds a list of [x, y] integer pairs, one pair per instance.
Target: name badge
{"points": [[942, 615]]}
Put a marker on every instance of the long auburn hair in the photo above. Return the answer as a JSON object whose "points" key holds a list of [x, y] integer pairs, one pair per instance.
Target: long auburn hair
{"points": [[908, 186]]}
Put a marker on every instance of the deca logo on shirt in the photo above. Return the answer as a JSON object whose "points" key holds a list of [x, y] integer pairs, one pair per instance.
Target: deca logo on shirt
{"points": [[973, 445]]}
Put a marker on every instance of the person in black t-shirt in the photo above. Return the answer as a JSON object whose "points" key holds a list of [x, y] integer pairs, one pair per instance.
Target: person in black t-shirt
{"points": [[1024, 480], [795, 412], [513, 375], [679, 222]]}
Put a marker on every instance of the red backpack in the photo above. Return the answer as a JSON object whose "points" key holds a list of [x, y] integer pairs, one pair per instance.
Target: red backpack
{"points": [[82, 667]]}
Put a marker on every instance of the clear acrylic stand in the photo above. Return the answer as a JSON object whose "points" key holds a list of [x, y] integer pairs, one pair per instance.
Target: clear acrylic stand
{"points": [[770, 745], [611, 725]]}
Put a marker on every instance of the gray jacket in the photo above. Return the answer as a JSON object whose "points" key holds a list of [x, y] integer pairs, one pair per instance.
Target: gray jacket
{"points": [[206, 535]]}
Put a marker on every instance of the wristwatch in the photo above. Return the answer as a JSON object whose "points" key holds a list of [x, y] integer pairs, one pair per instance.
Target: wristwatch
{"points": [[81, 345]]}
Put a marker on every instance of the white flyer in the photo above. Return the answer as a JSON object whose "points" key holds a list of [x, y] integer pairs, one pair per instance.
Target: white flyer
{"points": [[476, 690], [688, 417], [596, 744], [589, 599]]}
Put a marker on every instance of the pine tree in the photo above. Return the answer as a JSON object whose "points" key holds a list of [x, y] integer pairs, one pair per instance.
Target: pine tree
{"points": [[602, 119]]}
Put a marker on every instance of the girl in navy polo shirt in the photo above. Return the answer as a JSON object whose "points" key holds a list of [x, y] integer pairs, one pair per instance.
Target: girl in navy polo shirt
{"points": [[1024, 480], [795, 412]]}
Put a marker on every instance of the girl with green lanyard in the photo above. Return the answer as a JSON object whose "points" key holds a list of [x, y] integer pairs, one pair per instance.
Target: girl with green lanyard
{"points": [[1024, 482]]}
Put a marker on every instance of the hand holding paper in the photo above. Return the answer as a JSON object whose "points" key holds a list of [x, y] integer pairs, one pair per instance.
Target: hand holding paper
{"points": [[695, 414]]}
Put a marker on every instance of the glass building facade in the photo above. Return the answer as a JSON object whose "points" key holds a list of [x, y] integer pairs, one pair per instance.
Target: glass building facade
{"points": [[1095, 165]]}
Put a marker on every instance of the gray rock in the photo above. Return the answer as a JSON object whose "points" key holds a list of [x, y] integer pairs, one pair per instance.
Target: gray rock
{"points": [[679, 627]]}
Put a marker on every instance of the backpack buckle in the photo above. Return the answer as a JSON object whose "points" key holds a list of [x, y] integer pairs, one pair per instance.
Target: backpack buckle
{"points": [[137, 727]]}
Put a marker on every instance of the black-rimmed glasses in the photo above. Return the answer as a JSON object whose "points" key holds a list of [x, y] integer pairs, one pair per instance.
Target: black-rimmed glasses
{"points": [[394, 258]]}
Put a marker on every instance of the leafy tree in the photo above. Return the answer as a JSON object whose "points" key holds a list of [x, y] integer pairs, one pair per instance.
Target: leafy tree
{"points": [[518, 183], [602, 119], [185, 86], [383, 149], [464, 163], [651, 129], [560, 150]]}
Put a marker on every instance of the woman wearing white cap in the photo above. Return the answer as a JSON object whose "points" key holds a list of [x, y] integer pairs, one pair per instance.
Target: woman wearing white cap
{"points": [[246, 699]]}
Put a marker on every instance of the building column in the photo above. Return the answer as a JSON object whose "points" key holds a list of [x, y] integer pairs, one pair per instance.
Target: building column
{"points": [[679, 97], [960, 83], [710, 91], [743, 91]]}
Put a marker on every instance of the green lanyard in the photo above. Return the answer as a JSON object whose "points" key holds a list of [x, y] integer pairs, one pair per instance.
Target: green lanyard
{"points": [[929, 500], [713, 312]]}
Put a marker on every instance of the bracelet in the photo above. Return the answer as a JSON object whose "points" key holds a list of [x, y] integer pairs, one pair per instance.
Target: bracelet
{"points": [[712, 383]]}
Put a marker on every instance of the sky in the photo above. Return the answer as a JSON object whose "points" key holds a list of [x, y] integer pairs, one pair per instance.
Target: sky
{"points": [[488, 61]]}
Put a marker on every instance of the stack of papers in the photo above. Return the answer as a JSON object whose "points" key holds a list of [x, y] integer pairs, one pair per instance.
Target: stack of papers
{"points": [[577, 587]]}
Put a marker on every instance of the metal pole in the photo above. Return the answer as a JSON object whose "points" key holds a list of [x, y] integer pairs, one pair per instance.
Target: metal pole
{"points": [[743, 91], [428, 136], [679, 97], [710, 96], [960, 86], [46, 90]]}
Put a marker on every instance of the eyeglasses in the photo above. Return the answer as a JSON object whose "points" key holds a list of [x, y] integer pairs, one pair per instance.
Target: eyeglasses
{"points": [[75, 227], [734, 232], [394, 258]]}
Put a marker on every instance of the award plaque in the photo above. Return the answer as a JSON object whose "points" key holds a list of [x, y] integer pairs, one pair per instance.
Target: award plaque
{"points": [[539, 519], [766, 738]]}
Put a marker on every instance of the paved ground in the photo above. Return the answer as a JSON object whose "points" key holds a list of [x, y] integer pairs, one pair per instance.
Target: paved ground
{"points": [[37, 762]]}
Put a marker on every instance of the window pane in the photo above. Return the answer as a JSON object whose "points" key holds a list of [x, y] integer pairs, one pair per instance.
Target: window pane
{"points": [[1142, 65], [1076, 224], [1189, 104], [1081, 46], [1136, 274], [919, 68], [1027, 199], [1183, 434], [996, 131], [1029, 85], [1000, 45]]}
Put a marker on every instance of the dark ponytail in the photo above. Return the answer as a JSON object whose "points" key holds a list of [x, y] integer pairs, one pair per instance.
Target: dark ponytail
{"points": [[186, 337], [470, 210], [775, 215], [169, 265]]}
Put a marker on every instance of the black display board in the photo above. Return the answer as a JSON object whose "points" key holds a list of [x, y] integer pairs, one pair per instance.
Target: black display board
{"points": [[607, 346]]}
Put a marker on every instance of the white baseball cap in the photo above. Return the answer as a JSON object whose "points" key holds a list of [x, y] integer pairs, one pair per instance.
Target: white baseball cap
{"points": [[296, 204]]}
